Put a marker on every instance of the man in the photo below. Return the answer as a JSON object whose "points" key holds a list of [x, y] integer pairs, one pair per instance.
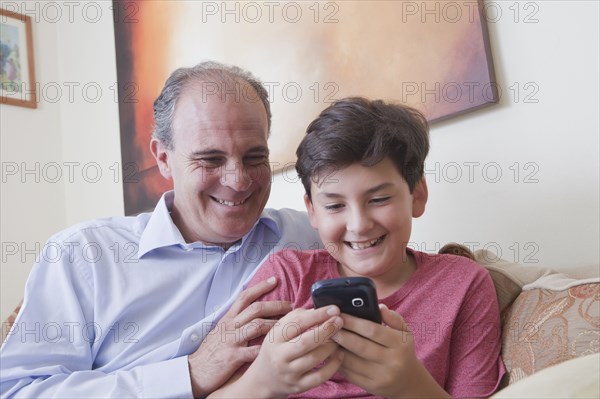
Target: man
{"points": [[138, 306]]}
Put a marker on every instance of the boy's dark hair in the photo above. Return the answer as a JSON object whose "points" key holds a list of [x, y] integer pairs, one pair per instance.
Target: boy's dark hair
{"points": [[358, 130]]}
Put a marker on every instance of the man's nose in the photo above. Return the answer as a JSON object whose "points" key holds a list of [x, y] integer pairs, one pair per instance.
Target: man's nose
{"points": [[235, 176]]}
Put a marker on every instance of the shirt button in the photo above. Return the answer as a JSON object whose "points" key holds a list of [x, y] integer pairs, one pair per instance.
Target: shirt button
{"points": [[215, 308], [194, 337]]}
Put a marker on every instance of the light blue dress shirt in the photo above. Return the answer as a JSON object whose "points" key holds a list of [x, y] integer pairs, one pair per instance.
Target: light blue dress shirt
{"points": [[114, 306]]}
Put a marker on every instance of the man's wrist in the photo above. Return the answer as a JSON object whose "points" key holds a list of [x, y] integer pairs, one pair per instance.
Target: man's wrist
{"points": [[197, 391]]}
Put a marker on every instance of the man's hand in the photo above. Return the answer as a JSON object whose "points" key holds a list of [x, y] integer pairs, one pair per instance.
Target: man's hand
{"points": [[225, 349]]}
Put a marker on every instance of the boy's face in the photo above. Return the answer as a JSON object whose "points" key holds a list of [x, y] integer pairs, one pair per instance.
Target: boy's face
{"points": [[364, 217]]}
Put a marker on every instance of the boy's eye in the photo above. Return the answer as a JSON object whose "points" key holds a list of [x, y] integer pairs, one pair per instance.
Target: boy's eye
{"points": [[380, 200], [333, 207]]}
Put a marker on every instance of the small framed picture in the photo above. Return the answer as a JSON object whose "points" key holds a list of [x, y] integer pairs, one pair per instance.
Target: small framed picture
{"points": [[17, 76]]}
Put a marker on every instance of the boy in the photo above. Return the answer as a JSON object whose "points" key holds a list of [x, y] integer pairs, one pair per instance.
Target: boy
{"points": [[361, 164]]}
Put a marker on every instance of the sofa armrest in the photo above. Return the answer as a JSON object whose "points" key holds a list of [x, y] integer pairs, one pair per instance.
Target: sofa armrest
{"points": [[575, 378]]}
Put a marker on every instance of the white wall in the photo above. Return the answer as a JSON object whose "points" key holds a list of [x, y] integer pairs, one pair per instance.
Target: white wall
{"points": [[90, 123], [32, 204], [74, 130], [548, 213], [554, 221]]}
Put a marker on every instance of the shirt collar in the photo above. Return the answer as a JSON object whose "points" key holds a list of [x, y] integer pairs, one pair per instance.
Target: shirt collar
{"points": [[270, 222], [162, 232]]}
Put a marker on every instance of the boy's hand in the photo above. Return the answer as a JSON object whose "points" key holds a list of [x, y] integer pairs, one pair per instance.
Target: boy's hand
{"points": [[225, 349], [291, 351], [377, 358]]}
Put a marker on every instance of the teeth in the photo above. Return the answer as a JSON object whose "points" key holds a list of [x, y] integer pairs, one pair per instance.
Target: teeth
{"points": [[364, 244], [229, 203]]}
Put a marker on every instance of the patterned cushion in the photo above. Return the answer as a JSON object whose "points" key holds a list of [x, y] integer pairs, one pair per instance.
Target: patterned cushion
{"points": [[544, 327]]}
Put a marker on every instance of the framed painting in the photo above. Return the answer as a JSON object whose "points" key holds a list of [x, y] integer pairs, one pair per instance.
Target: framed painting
{"points": [[433, 55], [17, 76]]}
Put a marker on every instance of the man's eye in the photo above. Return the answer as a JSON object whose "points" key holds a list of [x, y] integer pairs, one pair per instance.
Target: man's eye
{"points": [[210, 162], [256, 160]]}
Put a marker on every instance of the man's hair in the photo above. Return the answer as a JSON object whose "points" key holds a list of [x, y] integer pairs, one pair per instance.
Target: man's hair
{"points": [[213, 79], [358, 130]]}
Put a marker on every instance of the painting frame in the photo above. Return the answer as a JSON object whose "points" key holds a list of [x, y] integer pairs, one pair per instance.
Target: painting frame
{"points": [[454, 77], [22, 91]]}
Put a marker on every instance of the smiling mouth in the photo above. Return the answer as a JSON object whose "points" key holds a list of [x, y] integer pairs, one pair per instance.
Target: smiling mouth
{"points": [[364, 244], [229, 203]]}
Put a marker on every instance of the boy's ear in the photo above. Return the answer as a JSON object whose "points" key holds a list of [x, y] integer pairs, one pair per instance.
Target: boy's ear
{"points": [[311, 211], [420, 195], [160, 153]]}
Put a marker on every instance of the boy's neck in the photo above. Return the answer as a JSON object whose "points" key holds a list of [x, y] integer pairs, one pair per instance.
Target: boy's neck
{"points": [[389, 283]]}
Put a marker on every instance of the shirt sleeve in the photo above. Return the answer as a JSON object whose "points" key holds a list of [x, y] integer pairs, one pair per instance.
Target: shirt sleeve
{"points": [[476, 367], [50, 350]]}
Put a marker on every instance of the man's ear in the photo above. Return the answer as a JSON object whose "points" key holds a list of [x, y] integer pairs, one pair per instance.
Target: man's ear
{"points": [[420, 195], [161, 154], [311, 211]]}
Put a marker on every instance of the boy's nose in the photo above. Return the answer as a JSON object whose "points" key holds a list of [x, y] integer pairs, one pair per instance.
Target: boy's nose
{"points": [[359, 222]]}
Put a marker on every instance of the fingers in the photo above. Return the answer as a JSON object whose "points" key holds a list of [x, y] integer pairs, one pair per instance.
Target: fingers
{"points": [[298, 321], [375, 355], [301, 346], [250, 295], [358, 345], [354, 366], [247, 354], [393, 319], [316, 377], [292, 349], [316, 356], [258, 310], [355, 375], [365, 328], [362, 337], [254, 329], [244, 309], [386, 336]]}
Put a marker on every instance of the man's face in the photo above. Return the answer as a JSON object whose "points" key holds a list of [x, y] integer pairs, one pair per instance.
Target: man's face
{"points": [[219, 164]]}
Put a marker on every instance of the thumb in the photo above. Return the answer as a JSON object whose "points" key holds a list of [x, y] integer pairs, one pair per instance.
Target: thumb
{"points": [[393, 319]]}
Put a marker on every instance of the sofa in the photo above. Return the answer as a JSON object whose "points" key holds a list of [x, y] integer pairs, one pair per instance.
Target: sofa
{"points": [[551, 327]]}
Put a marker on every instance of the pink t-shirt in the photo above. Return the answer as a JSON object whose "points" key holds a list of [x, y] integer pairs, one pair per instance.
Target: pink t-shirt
{"points": [[449, 303]]}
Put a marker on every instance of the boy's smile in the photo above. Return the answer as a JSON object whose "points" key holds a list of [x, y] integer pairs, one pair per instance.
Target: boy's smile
{"points": [[364, 217], [365, 244]]}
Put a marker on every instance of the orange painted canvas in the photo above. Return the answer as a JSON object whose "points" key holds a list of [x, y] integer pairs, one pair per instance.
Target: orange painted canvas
{"points": [[433, 55]]}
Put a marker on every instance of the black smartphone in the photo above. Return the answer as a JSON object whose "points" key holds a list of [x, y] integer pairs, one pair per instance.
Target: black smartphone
{"points": [[353, 295]]}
